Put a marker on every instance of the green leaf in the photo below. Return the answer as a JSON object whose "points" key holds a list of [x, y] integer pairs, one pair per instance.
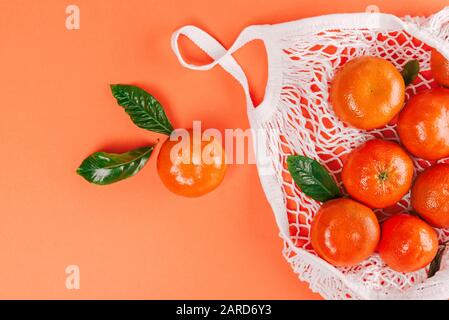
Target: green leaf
{"points": [[410, 71], [435, 265], [145, 111], [105, 168], [312, 178]]}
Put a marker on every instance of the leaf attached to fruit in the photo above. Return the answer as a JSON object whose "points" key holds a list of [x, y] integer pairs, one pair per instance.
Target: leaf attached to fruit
{"points": [[312, 178], [410, 71], [435, 265], [105, 168], [144, 110]]}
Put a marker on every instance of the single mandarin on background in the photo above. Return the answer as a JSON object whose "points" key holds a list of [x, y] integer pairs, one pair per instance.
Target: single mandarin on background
{"points": [[344, 232], [423, 124], [430, 195], [191, 167], [378, 173], [440, 68], [407, 243], [367, 92]]}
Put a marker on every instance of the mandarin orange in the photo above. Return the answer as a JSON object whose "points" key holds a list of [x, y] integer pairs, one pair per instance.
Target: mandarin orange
{"points": [[440, 68], [423, 124], [378, 173], [407, 243], [367, 92], [344, 232], [191, 167], [430, 195]]}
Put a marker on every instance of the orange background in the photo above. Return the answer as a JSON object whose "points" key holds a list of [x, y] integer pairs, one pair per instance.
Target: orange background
{"points": [[133, 239]]}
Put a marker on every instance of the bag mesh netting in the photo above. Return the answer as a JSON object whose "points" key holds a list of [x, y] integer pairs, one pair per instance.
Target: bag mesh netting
{"points": [[297, 118]]}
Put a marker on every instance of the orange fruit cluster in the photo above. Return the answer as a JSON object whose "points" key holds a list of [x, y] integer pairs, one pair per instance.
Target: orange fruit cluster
{"points": [[367, 93]]}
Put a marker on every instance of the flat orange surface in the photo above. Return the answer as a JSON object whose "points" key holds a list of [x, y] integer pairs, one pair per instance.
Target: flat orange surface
{"points": [[133, 239]]}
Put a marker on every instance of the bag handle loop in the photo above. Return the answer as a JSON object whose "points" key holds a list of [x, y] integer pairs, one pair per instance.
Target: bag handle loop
{"points": [[217, 52]]}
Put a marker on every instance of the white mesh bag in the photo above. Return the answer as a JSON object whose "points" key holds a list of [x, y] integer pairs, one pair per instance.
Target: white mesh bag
{"points": [[295, 117]]}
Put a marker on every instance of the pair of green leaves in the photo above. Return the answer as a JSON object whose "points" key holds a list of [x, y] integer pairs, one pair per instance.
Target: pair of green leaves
{"points": [[146, 112]]}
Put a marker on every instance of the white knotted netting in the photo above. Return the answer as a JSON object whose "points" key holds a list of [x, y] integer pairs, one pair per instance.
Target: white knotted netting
{"points": [[296, 118]]}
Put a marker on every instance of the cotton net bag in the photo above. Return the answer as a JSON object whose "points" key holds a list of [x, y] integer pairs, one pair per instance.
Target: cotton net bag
{"points": [[295, 117]]}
